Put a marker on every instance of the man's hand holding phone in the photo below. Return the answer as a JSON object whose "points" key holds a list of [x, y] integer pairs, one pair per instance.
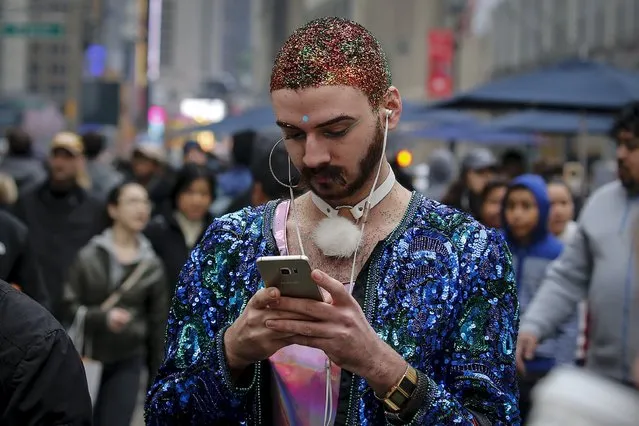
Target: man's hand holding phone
{"points": [[248, 340]]}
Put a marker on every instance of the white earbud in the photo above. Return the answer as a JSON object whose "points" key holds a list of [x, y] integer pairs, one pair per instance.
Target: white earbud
{"points": [[389, 112]]}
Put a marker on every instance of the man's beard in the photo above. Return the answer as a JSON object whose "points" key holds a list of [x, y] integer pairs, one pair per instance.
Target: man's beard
{"points": [[628, 182], [367, 167], [62, 184]]}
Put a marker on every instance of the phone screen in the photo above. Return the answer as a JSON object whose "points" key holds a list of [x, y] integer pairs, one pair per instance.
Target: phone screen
{"points": [[291, 275]]}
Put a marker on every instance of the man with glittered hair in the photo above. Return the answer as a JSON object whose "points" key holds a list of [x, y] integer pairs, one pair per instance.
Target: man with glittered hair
{"points": [[419, 316]]}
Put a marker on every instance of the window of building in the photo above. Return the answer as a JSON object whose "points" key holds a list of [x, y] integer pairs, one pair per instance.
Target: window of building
{"points": [[582, 24], [499, 39], [33, 86], [60, 7], [559, 16], [34, 68], [530, 28], [599, 22], [57, 89], [57, 69], [630, 7], [167, 33], [33, 75]]}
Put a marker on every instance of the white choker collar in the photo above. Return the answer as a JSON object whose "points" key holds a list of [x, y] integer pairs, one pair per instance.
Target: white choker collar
{"points": [[358, 210]]}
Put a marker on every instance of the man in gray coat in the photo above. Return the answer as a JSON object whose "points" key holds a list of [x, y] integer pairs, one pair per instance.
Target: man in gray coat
{"points": [[600, 265]]}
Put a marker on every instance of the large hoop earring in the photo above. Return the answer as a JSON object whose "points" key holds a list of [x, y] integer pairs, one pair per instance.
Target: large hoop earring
{"points": [[270, 166]]}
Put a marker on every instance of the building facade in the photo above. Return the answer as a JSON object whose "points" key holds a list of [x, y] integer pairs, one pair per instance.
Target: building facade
{"points": [[401, 28], [526, 34], [205, 44], [49, 65]]}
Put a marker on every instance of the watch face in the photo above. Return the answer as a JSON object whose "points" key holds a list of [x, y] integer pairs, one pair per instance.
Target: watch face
{"points": [[398, 399], [407, 386]]}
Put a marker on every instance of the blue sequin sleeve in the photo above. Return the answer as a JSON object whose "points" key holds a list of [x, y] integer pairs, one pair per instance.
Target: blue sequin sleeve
{"points": [[481, 387], [193, 385]]}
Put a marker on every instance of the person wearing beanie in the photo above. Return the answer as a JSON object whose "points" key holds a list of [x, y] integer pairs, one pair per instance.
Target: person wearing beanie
{"points": [[478, 168]]}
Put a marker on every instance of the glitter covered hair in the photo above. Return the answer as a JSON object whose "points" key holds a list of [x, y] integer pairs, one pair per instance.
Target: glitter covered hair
{"points": [[332, 52]]}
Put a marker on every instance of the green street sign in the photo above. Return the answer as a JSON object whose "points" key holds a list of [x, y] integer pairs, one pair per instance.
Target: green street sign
{"points": [[32, 29]]}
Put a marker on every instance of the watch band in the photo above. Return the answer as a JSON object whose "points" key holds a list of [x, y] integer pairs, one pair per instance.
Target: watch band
{"points": [[397, 397]]}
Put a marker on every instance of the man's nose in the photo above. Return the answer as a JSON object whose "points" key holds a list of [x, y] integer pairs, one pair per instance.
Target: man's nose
{"points": [[315, 153], [622, 151]]}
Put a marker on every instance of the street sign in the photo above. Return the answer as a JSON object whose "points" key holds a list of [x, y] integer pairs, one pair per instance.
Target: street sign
{"points": [[32, 29]]}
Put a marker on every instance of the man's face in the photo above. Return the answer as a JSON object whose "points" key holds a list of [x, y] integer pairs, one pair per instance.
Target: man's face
{"points": [[628, 160], [64, 166], [195, 156], [143, 168], [333, 136]]}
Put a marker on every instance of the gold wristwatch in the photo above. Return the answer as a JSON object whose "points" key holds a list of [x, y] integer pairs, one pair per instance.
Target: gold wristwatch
{"points": [[397, 397]]}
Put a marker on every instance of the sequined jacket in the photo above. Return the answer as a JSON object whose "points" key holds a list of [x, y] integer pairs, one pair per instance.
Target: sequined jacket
{"points": [[439, 290]]}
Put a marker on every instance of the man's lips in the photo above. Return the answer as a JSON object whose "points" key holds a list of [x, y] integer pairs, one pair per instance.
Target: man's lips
{"points": [[322, 179]]}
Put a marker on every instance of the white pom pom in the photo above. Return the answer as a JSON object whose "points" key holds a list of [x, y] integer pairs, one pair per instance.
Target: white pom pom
{"points": [[337, 237]]}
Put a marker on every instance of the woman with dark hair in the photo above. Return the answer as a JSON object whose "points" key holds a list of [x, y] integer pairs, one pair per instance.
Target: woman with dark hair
{"points": [[478, 168], [174, 233], [115, 292], [491, 201]]}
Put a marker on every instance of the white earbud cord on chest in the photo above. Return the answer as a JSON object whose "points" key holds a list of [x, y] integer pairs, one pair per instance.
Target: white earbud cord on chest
{"points": [[328, 405]]}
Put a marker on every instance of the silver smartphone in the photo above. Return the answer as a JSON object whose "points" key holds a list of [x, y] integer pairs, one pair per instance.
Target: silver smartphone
{"points": [[291, 275]]}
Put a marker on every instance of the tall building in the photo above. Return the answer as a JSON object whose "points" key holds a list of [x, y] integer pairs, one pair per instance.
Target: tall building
{"points": [[401, 29], [236, 47], [526, 33], [202, 41], [48, 64]]}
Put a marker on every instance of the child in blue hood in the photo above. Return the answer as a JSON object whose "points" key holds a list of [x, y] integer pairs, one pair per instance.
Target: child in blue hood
{"points": [[525, 213]]}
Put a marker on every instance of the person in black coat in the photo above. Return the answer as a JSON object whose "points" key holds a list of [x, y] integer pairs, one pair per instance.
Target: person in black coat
{"points": [[60, 214], [176, 231], [17, 261], [42, 379]]}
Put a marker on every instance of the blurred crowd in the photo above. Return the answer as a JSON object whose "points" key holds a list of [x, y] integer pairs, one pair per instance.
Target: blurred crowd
{"points": [[74, 226]]}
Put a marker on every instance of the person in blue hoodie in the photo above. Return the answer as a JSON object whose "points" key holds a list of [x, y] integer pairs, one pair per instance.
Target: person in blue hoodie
{"points": [[525, 212]]}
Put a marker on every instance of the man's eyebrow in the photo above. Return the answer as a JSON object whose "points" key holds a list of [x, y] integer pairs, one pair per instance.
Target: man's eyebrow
{"points": [[335, 120]]}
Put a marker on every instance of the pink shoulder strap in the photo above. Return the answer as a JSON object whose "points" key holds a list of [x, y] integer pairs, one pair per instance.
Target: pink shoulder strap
{"points": [[279, 227]]}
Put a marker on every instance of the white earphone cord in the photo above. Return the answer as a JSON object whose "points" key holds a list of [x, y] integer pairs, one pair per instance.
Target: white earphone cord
{"points": [[368, 205], [328, 404], [294, 211]]}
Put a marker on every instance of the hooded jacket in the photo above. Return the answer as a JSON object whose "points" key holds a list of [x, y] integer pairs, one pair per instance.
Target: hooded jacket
{"points": [[531, 262], [94, 276], [600, 264]]}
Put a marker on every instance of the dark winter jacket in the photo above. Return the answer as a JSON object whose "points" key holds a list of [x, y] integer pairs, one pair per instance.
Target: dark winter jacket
{"points": [[42, 379], [17, 261], [169, 244], [59, 226]]}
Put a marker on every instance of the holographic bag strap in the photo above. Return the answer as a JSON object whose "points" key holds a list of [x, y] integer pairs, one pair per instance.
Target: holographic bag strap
{"points": [[279, 227]]}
